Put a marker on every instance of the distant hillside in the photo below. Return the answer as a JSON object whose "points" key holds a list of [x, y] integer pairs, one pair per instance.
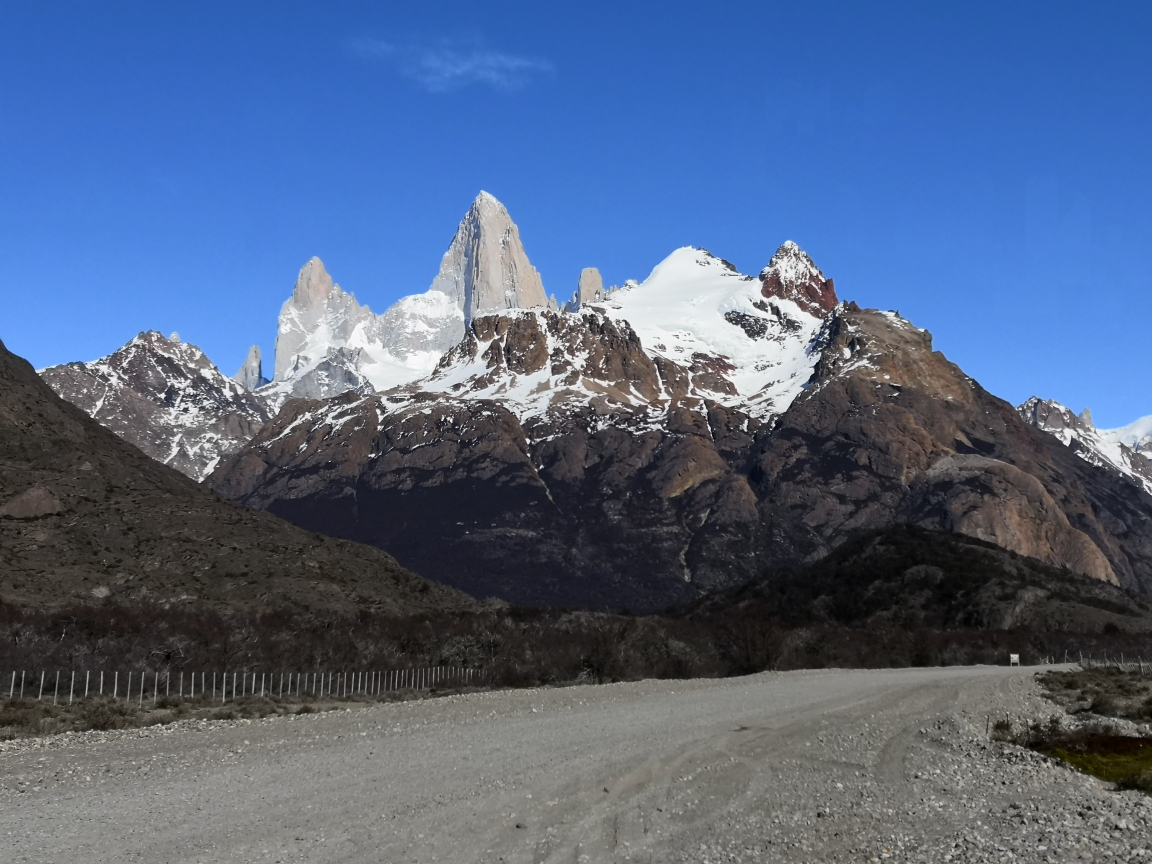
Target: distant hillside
{"points": [[85, 516]]}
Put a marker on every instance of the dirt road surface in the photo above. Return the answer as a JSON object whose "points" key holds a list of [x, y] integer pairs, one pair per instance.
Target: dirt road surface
{"points": [[804, 766]]}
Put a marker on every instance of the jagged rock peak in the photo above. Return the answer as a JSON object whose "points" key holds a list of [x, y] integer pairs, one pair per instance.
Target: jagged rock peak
{"points": [[251, 374], [792, 275], [1052, 416], [318, 317], [590, 289], [486, 268], [313, 284]]}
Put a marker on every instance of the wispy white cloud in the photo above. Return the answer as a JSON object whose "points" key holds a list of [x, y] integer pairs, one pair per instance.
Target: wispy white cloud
{"points": [[449, 65]]}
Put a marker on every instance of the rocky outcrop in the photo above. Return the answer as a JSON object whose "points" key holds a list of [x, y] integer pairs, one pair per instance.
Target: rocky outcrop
{"points": [[250, 376], [589, 289], [167, 398], [86, 517], [1108, 449], [791, 275]]}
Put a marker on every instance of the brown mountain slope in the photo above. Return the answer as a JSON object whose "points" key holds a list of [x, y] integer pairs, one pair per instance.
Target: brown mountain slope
{"points": [[84, 516], [890, 432]]}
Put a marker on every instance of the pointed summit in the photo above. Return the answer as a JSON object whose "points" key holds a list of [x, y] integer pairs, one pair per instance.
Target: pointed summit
{"points": [[251, 374], [590, 289], [318, 316], [485, 268], [313, 284], [791, 275]]}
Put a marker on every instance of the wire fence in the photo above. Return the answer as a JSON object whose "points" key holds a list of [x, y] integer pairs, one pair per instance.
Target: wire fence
{"points": [[152, 686], [1131, 664]]}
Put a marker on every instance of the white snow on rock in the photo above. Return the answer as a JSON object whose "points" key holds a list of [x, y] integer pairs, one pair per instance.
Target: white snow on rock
{"points": [[695, 306], [1103, 448], [167, 398], [328, 343], [1136, 435]]}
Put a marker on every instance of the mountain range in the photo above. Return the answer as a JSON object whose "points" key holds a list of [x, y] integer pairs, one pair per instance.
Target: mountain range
{"points": [[636, 446]]}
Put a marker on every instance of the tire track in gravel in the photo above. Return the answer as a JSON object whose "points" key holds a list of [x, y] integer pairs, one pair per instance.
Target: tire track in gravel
{"points": [[620, 772]]}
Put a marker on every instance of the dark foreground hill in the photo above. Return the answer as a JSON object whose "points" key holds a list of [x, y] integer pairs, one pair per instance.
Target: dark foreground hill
{"points": [[86, 517], [908, 577]]}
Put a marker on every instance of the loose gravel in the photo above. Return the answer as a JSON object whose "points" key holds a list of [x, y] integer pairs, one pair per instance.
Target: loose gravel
{"points": [[823, 766]]}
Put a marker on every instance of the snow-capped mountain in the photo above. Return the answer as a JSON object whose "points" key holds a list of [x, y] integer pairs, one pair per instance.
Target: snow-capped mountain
{"points": [[1115, 449], [166, 397], [694, 330], [642, 445], [328, 344], [1136, 435]]}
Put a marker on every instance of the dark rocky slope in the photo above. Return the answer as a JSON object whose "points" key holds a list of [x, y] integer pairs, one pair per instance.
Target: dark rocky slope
{"points": [[85, 516]]}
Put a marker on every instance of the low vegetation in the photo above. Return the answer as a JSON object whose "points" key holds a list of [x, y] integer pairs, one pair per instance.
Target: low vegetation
{"points": [[1094, 747], [509, 646]]}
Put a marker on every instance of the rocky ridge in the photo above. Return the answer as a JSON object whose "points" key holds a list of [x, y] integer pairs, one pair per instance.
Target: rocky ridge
{"points": [[1117, 450], [167, 398]]}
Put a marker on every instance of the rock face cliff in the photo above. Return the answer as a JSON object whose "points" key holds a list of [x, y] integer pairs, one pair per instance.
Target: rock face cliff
{"points": [[681, 436], [87, 517], [167, 398]]}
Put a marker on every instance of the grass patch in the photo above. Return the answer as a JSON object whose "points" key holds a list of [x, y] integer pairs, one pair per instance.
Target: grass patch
{"points": [[1125, 760], [1118, 759]]}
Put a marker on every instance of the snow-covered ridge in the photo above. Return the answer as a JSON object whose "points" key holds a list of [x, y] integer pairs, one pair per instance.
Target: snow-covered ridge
{"points": [[694, 305], [1104, 448], [166, 397], [327, 343], [1137, 435]]}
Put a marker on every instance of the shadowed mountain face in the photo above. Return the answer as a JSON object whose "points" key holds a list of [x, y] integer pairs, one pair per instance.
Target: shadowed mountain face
{"points": [[646, 483], [85, 516]]}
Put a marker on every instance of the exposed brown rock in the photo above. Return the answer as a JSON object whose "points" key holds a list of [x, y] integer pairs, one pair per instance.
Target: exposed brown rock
{"points": [[33, 504], [890, 432], [791, 275]]}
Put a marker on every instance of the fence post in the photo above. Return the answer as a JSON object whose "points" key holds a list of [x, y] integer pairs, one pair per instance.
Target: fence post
{"points": [[128, 689], [40, 695], [21, 685], [72, 687], [12, 687]]}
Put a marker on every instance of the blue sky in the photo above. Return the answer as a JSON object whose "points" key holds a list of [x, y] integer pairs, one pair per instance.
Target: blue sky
{"points": [[984, 170]]}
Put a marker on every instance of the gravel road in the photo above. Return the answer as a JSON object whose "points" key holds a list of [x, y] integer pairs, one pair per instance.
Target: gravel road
{"points": [[804, 766]]}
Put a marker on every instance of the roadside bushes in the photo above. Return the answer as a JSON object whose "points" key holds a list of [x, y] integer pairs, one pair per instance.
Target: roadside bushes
{"points": [[514, 646]]}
